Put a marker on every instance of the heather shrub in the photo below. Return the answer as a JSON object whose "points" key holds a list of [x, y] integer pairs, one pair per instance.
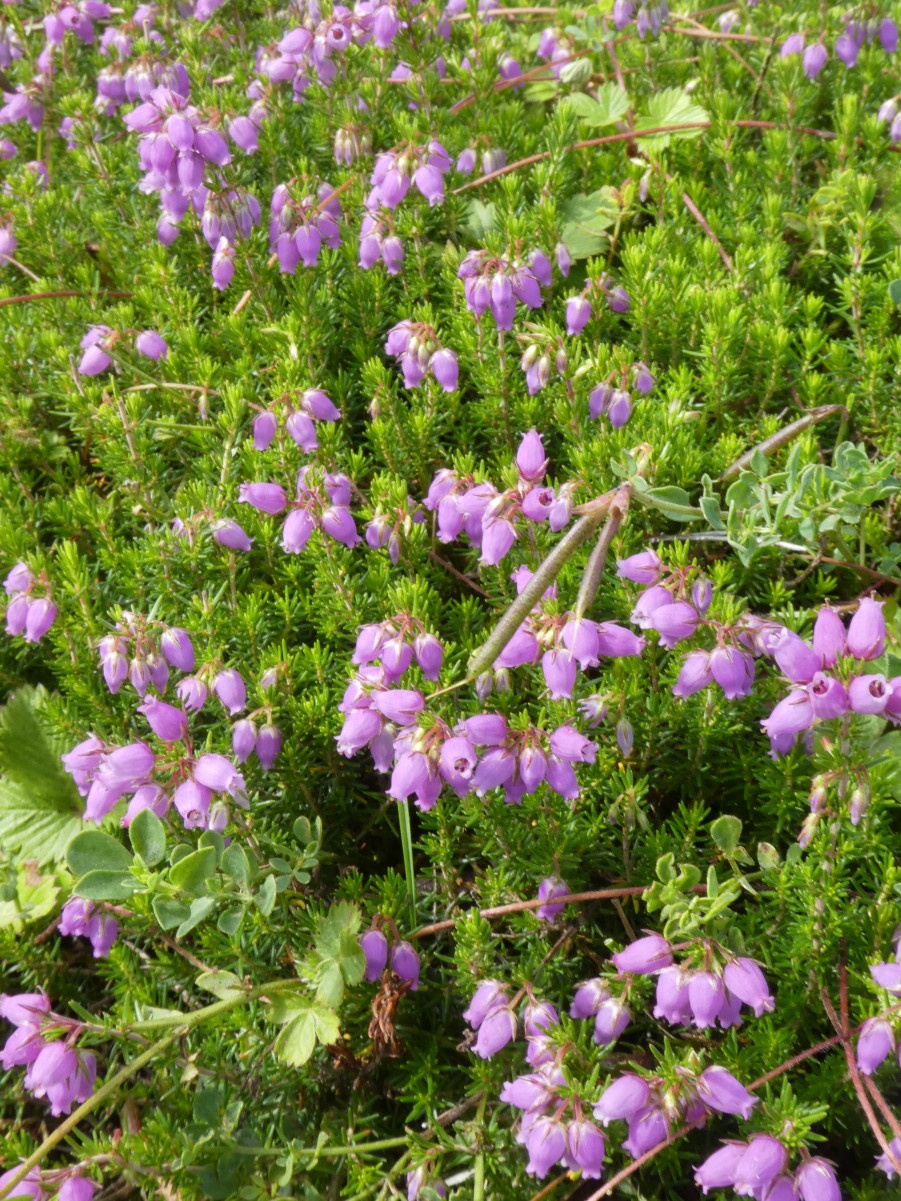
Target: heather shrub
{"points": [[451, 682]]}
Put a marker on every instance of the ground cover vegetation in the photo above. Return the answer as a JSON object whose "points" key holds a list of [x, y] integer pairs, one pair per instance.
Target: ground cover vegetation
{"points": [[451, 676]]}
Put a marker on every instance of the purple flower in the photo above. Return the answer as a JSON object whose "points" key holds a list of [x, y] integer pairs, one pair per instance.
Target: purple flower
{"points": [[269, 743], [815, 1181], [588, 999], [733, 670], [265, 425], [828, 697], [545, 1140], [644, 956], [244, 739], [218, 773], [794, 657], [167, 722], [443, 365], [229, 534], [578, 314], [718, 1170], [763, 1160], [674, 622], [869, 694], [694, 675], [672, 1000], [150, 343], [405, 963], [29, 1186], [846, 49], [746, 981], [39, 618], [875, 1041], [62, 1075], [488, 996], [706, 995], [888, 39], [548, 889], [496, 1030], [815, 59], [622, 1099], [230, 689], [790, 717], [610, 1021], [644, 568], [192, 803], [268, 498], [647, 1128], [793, 44], [177, 648], [375, 947], [586, 1148], [719, 1090], [883, 1162], [530, 458]]}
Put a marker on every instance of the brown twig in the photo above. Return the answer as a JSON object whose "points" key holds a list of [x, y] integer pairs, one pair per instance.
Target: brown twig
{"points": [[59, 295], [702, 221], [464, 579], [603, 894]]}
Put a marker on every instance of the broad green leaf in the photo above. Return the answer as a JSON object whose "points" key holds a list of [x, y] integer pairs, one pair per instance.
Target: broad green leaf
{"points": [[220, 984], [611, 104], [672, 106], [40, 810], [107, 886], [894, 291], [200, 909], [726, 833], [586, 219], [212, 838], [170, 912], [191, 873], [148, 837], [264, 899], [230, 921], [481, 219], [297, 1040], [330, 988], [92, 850], [235, 863]]}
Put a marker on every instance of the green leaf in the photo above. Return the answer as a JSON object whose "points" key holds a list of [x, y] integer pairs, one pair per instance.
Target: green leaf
{"points": [[169, 912], [894, 291], [310, 1021], [235, 863], [343, 916], [481, 219], [27, 895], [586, 218], [106, 886], [611, 104], [191, 873], [148, 837], [670, 107], [265, 896], [212, 838], [40, 810], [230, 921], [220, 984], [200, 909], [726, 833], [330, 988], [92, 850], [297, 1041]]}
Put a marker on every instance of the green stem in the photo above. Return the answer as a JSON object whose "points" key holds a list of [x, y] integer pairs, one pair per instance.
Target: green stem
{"points": [[406, 841], [478, 1183], [184, 1023], [544, 576], [334, 1152]]}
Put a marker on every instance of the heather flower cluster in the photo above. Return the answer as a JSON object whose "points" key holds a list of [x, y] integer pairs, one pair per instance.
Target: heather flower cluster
{"points": [[100, 341], [760, 1168], [83, 919], [299, 228], [402, 954], [415, 345], [27, 614], [848, 44], [703, 996], [303, 411], [495, 283], [55, 1068]]}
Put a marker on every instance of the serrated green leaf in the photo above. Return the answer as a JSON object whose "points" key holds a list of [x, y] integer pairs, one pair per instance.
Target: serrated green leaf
{"points": [[330, 988], [672, 106], [481, 219], [611, 104], [586, 218], [297, 1040], [40, 810], [148, 837]]}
